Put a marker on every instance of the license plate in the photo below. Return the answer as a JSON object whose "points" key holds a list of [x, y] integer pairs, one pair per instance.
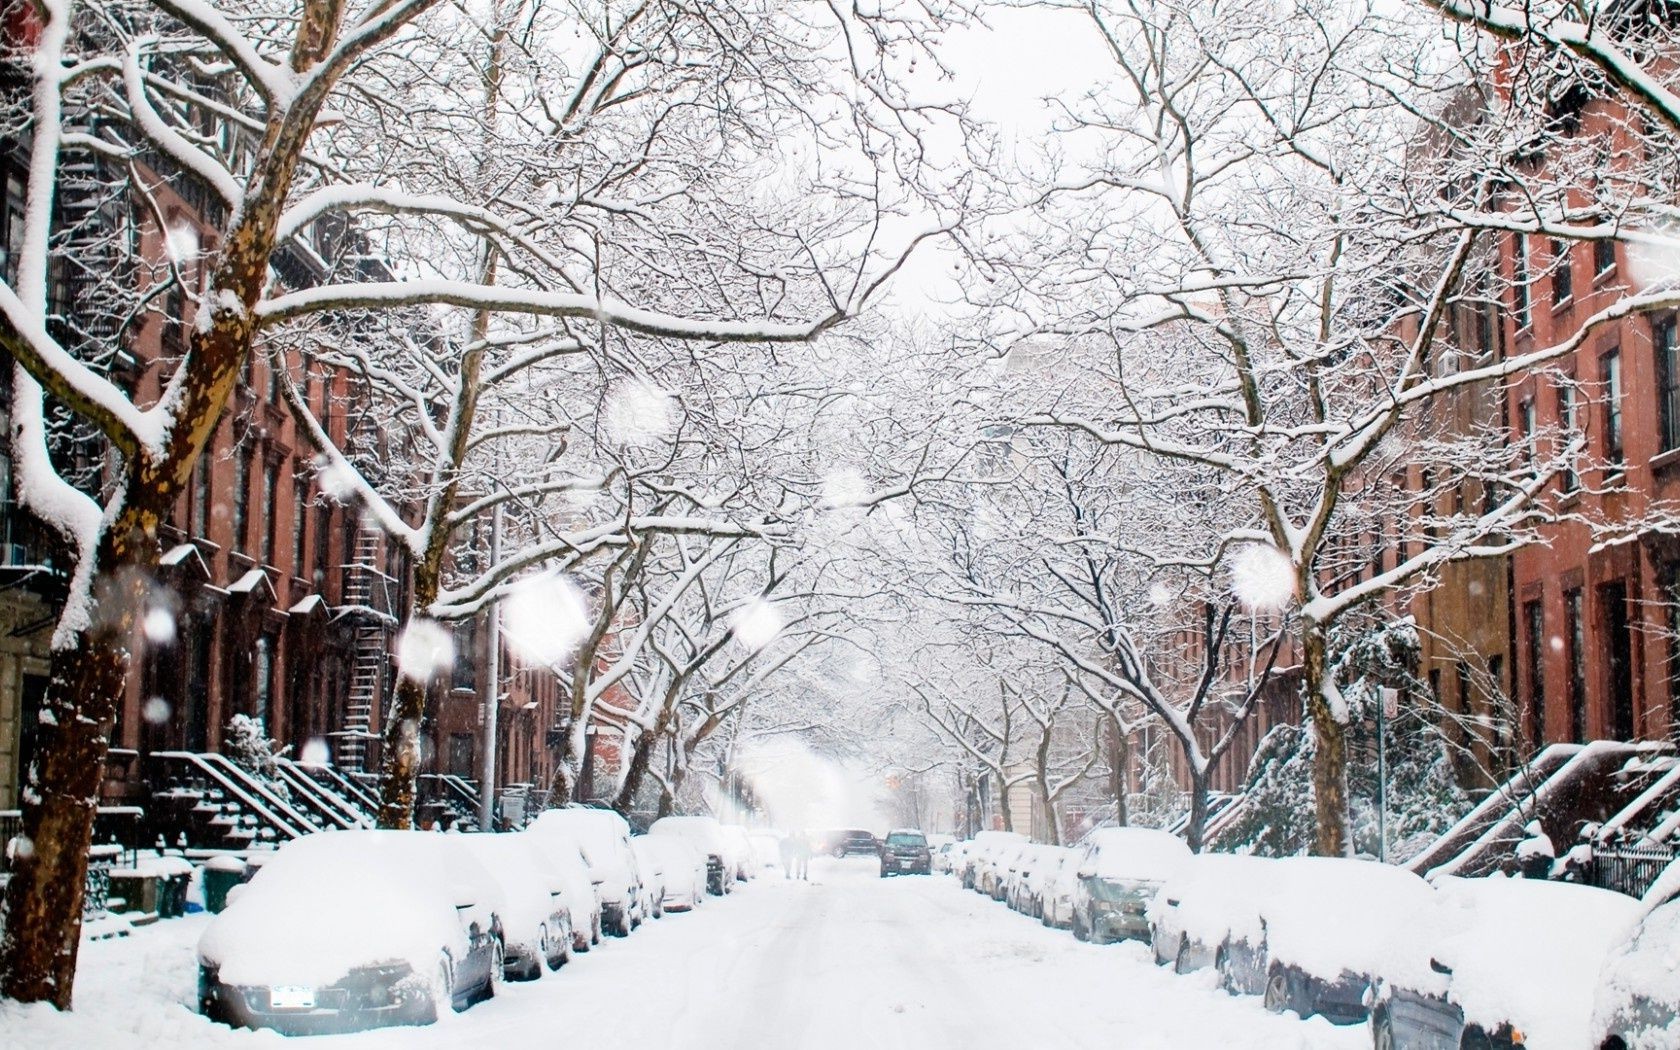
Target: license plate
{"points": [[291, 997]]}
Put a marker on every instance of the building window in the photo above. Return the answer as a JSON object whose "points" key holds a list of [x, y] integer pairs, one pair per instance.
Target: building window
{"points": [[1604, 255], [1529, 422], [200, 524], [1534, 651], [1569, 420], [270, 509], [1610, 372], [264, 681], [1519, 280], [1671, 582], [466, 655], [241, 499], [1618, 650], [301, 488], [1575, 623], [1666, 341], [461, 755], [1563, 277], [11, 227]]}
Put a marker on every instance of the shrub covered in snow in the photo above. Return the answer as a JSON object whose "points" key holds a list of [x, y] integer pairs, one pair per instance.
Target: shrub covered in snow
{"points": [[1424, 796], [248, 746]]}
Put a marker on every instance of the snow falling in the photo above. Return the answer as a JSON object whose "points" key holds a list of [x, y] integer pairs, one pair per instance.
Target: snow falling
{"points": [[545, 618], [973, 526]]}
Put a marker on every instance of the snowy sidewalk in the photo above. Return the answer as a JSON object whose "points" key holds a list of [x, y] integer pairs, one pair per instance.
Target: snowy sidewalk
{"points": [[849, 960]]}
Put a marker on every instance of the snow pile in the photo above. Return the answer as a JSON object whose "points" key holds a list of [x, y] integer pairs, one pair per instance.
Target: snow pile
{"points": [[1528, 952], [1137, 854], [328, 903], [562, 862], [703, 833]]}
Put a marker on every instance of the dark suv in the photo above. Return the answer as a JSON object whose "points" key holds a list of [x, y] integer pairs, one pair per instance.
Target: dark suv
{"points": [[853, 842], [906, 853]]}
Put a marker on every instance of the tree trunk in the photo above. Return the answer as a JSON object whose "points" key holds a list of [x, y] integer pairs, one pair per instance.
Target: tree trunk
{"points": [[1004, 790], [1330, 790], [1120, 764], [399, 763], [43, 911], [1196, 827], [641, 755]]}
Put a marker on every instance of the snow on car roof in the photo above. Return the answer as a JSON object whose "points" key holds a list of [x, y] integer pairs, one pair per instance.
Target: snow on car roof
{"points": [[329, 902], [1137, 853]]}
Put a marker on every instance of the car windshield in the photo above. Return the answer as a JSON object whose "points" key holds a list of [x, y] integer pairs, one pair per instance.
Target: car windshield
{"points": [[906, 838]]}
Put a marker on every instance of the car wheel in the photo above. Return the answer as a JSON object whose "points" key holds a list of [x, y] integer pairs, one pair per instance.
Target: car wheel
{"points": [[1080, 933], [1475, 1038], [443, 991], [1382, 1031], [839, 853], [498, 969], [1277, 997], [1181, 958]]}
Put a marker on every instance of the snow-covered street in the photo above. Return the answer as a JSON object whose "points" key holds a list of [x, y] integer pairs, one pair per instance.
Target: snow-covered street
{"points": [[848, 960]]}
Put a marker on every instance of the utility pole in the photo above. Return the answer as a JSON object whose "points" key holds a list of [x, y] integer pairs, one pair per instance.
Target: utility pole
{"points": [[492, 691], [1388, 708]]}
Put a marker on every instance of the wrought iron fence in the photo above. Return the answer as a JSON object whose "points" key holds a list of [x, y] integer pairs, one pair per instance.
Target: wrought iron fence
{"points": [[1628, 869]]}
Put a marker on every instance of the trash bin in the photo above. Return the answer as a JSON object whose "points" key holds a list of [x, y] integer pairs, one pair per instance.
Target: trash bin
{"points": [[172, 896], [220, 875]]}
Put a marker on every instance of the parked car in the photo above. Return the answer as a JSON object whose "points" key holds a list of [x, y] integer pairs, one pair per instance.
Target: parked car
{"points": [[1016, 890], [740, 847], [706, 836], [1032, 884], [681, 870], [536, 920], [767, 850], [1119, 872], [1515, 964], [1006, 868], [984, 849], [905, 852], [1060, 885], [347, 930], [1638, 1000], [1322, 930], [604, 839], [854, 842], [949, 857], [1190, 917], [564, 861]]}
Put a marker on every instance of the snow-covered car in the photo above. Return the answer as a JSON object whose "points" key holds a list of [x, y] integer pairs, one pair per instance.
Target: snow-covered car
{"points": [[1119, 872], [1322, 930], [905, 852], [346, 930], [1515, 964], [1638, 1000], [604, 839], [679, 871], [1059, 888], [1190, 916], [983, 856], [1033, 881], [736, 838], [706, 836], [536, 918], [563, 860], [948, 858], [1027, 891], [766, 850]]}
